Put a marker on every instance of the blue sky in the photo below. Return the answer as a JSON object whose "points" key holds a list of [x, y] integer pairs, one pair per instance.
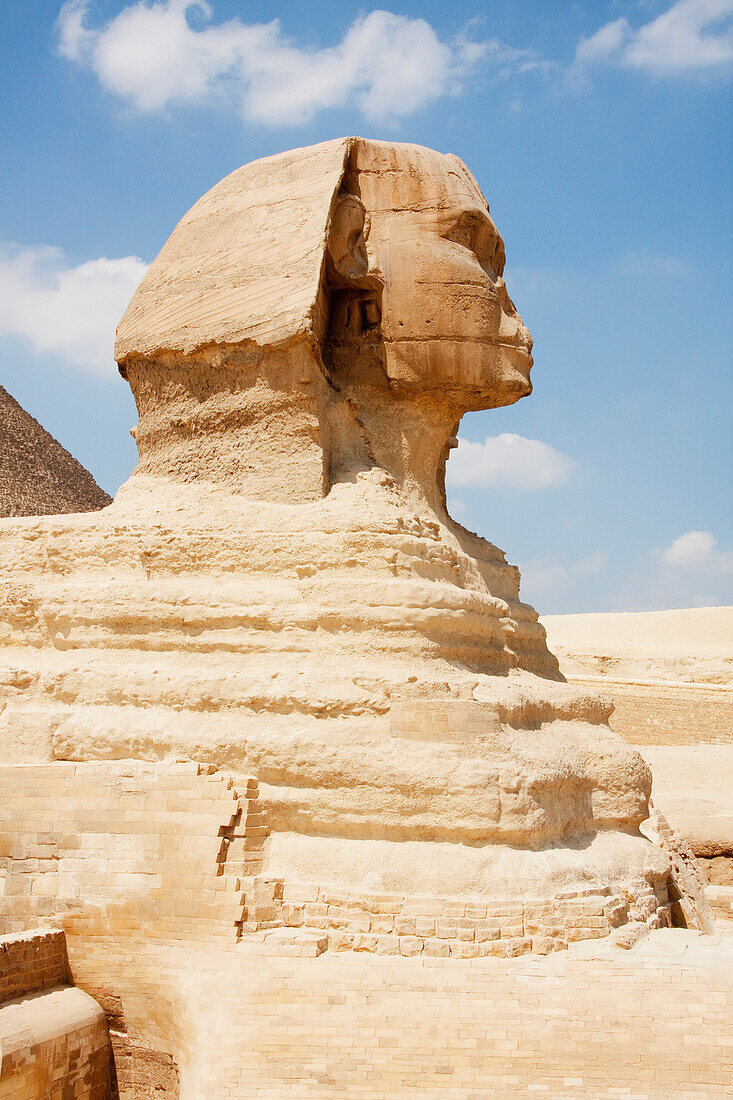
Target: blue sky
{"points": [[600, 133]]}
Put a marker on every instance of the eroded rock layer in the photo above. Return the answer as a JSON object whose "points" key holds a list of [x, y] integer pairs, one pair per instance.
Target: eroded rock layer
{"points": [[279, 590]]}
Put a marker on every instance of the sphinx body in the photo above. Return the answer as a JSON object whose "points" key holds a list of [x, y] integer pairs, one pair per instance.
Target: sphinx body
{"points": [[279, 590]]}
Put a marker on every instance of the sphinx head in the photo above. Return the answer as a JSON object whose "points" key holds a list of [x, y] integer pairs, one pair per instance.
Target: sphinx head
{"points": [[364, 271], [429, 278]]}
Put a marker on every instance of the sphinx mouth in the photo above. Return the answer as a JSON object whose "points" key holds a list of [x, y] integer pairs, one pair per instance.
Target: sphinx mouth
{"points": [[524, 350], [522, 360]]}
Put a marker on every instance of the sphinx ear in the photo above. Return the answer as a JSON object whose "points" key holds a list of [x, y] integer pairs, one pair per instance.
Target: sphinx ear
{"points": [[347, 238]]}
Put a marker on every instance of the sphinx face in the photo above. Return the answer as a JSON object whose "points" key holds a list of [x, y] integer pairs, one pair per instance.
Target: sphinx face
{"points": [[448, 323]]}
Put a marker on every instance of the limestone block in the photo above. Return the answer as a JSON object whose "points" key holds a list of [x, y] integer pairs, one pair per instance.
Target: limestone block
{"points": [[291, 943], [141, 862], [54, 1040], [442, 720]]}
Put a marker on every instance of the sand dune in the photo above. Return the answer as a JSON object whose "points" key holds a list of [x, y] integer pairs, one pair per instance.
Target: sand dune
{"points": [[693, 644], [670, 676]]}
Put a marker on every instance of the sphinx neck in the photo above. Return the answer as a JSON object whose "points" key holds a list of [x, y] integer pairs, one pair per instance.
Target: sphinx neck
{"points": [[249, 423], [409, 437], [267, 425]]}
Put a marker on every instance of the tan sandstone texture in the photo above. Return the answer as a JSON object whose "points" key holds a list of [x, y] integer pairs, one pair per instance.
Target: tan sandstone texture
{"points": [[273, 710], [37, 475]]}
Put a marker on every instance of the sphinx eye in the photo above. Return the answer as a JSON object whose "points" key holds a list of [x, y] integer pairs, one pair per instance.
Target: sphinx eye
{"points": [[498, 259], [478, 236], [489, 249], [463, 232]]}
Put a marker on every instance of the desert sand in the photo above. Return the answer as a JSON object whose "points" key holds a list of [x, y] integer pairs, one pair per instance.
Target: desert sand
{"points": [[670, 676], [692, 645]]}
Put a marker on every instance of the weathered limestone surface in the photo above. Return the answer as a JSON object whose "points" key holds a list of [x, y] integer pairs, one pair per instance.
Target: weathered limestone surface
{"points": [[279, 589], [172, 851], [404, 775], [650, 1023]]}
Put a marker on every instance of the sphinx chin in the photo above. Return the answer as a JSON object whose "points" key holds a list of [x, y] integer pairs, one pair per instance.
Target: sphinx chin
{"points": [[520, 387]]}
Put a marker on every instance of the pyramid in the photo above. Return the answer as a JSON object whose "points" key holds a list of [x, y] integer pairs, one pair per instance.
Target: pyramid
{"points": [[37, 475]]}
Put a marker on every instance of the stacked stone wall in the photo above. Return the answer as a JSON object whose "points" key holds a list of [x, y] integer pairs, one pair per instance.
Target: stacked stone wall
{"points": [[391, 924], [666, 713], [171, 851], [31, 961], [54, 1042], [147, 849], [651, 1023]]}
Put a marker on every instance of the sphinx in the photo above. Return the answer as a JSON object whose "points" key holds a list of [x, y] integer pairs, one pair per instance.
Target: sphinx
{"points": [[279, 590]]}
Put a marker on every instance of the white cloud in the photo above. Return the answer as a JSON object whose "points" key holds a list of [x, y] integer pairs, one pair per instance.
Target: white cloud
{"points": [[552, 578], [697, 549], [67, 311], [507, 461], [604, 43], [690, 572], [691, 36], [151, 55]]}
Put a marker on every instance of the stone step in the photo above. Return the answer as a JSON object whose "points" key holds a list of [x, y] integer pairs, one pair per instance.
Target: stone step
{"points": [[288, 942]]}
